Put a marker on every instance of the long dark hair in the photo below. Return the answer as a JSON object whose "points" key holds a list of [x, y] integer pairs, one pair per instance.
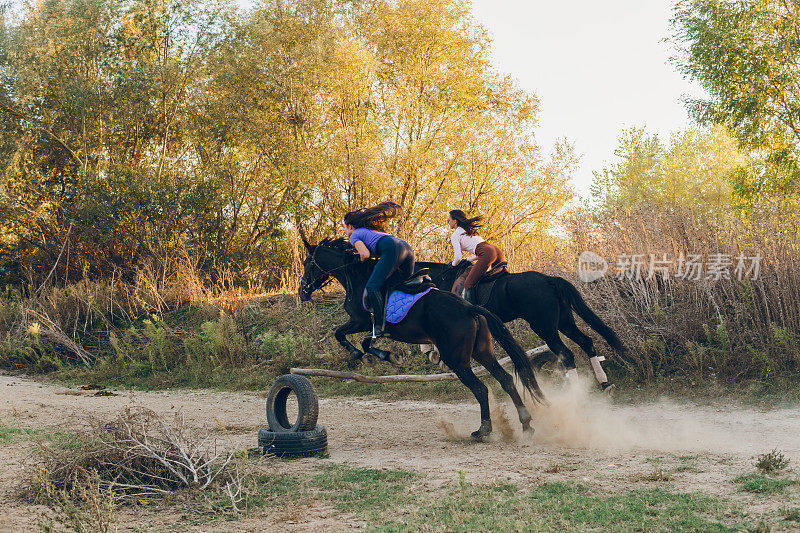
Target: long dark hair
{"points": [[470, 225], [374, 217]]}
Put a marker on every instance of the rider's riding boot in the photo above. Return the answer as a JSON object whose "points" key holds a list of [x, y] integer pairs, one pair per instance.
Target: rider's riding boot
{"points": [[471, 295], [377, 308]]}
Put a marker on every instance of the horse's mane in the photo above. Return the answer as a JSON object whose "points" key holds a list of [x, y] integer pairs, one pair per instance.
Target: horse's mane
{"points": [[343, 246], [337, 243]]}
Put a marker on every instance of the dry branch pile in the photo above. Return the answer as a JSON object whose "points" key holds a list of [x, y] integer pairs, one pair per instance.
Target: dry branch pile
{"points": [[140, 454]]}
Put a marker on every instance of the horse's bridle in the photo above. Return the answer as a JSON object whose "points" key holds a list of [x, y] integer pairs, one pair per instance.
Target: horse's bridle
{"points": [[328, 273]]}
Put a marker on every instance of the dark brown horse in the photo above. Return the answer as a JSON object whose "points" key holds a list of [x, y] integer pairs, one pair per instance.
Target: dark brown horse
{"points": [[460, 330], [546, 303]]}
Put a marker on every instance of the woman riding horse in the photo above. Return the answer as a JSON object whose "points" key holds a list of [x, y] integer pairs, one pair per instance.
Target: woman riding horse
{"points": [[366, 230], [465, 237], [484, 254], [460, 330]]}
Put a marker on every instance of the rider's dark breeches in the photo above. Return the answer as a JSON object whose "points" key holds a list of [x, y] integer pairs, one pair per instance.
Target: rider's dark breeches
{"points": [[394, 255]]}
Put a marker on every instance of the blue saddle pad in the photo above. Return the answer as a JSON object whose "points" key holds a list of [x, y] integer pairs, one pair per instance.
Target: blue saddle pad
{"points": [[400, 304]]}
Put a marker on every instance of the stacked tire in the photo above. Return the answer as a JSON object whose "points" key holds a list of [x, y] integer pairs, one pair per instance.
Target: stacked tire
{"points": [[301, 438]]}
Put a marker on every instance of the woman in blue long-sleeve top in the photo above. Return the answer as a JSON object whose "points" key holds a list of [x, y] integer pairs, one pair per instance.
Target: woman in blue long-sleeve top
{"points": [[366, 230]]}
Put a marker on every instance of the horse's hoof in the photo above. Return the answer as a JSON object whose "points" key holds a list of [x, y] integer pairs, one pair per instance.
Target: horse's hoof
{"points": [[607, 387], [356, 356], [384, 355], [524, 417], [483, 431], [433, 357], [526, 426]]}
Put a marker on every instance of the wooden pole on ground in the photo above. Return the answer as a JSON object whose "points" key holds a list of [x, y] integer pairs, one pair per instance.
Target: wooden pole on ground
{"points": [[402, 378]]}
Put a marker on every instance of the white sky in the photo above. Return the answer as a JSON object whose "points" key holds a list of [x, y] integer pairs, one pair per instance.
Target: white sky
{"points": [[597, 66]]}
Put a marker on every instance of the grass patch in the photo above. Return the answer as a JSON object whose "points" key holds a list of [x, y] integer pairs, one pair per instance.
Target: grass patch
{"points": [[573, 507], [369, 492], [688, 464], [692, 469], [762, 484], [58, 438], [791, 514], [9, 434], [391, 500]]}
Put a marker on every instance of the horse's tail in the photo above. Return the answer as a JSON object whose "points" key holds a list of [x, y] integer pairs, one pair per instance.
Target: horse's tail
{"points": [[575, 300], [522, 365]]}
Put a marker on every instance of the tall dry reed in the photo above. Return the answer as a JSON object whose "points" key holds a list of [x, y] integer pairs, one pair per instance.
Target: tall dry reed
{"points": [[726, 328]]}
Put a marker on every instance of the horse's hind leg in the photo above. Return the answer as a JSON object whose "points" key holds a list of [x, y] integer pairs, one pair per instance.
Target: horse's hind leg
{"points": [[547, 330], [468, 378], [558, 347], [507, 382], [483, 355], [570, 329]]}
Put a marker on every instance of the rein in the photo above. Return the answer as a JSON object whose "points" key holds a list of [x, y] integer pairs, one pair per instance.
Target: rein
{"points": [[329, 273], [443, 273]]}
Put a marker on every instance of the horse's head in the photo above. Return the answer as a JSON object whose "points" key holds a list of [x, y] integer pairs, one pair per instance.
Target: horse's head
{"points": [[321, 261]]}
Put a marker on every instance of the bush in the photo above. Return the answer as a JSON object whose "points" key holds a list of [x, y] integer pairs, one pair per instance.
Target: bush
{"points": [[774, 461]]}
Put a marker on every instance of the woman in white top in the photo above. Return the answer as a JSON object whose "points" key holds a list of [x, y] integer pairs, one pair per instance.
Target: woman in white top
{"points": [[465, 237]]}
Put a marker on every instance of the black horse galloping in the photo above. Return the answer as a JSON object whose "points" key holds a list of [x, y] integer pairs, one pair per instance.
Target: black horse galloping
{"points": [[460, 330], [546, 303]]}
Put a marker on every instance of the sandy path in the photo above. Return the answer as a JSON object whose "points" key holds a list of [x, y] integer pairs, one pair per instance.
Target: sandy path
{"points": [[584, 437]]}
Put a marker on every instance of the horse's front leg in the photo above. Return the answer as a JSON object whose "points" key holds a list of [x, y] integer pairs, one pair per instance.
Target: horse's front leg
{"points": [[352, 326], [383, 355]]}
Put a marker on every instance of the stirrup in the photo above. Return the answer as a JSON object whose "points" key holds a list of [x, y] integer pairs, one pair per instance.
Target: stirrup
{"points": [[374, 334], [376, 331]]}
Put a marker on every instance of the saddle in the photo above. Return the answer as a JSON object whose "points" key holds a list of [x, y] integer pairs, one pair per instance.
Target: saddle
{"points": [[417, 283], [400, 296], [485, 284], [497, 271]]}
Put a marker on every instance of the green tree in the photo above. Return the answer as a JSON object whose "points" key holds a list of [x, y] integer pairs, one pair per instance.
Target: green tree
{"points": [[697, 169], [455, 133], [746, 54], [139, 130], [261, 129], [99, 89]]}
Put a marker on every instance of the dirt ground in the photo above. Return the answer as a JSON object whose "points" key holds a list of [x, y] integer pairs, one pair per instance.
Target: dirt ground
{"points": [[582, 437]]}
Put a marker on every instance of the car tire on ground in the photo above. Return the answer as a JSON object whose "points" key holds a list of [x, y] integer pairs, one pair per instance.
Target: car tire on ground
{"points": [[307, 404], [296, 444]]}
